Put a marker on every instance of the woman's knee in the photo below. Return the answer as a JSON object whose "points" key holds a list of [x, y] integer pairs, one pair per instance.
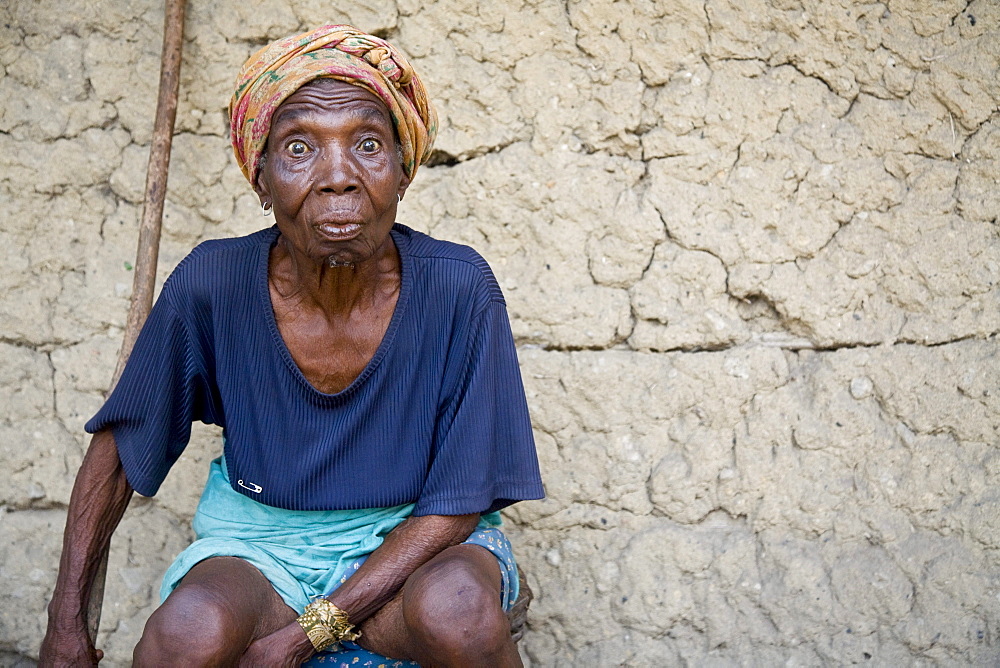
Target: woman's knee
{"points": [[453, 605], [191, 628]]}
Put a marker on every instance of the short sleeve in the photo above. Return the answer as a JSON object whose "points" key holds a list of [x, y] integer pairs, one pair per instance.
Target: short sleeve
{"points": [[159, 394], [483, 457]]}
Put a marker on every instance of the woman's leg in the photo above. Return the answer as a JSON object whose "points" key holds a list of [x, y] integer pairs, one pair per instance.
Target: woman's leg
{"points": [[447, 614], [220, 607]]}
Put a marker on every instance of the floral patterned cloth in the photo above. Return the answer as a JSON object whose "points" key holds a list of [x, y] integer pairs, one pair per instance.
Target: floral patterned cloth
{"points": [[338, 52]]}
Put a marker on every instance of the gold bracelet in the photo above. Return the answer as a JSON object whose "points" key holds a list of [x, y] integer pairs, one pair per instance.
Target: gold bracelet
{"points": [[325, 624]]}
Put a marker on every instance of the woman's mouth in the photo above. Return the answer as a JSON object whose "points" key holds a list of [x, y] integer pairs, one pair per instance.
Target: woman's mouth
{"points": [[339, 231]]}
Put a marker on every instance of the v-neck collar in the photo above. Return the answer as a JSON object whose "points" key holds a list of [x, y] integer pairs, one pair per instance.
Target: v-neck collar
{"points": [[405, 279]]}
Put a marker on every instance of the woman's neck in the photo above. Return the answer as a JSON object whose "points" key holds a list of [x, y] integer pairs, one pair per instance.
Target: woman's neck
{"points": [[330, 287]]}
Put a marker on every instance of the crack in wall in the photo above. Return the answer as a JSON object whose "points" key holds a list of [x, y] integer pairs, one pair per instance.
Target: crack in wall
{"points": [[792, 346]]}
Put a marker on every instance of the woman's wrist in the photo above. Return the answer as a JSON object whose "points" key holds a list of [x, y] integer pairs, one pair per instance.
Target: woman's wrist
{"points": [[325, 624], [301, 647]]}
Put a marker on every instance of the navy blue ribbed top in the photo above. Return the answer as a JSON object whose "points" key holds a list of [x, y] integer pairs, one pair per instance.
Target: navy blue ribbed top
{"points": [[437, 418]]}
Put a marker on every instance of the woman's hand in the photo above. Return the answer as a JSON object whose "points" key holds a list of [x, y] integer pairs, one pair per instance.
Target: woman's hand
{"points": [[405, 549], [100, 495], [286, 647], [68, 648]]}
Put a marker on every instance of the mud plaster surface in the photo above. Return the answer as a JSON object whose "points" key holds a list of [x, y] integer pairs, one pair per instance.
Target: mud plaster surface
{"points": [[750, 252]]}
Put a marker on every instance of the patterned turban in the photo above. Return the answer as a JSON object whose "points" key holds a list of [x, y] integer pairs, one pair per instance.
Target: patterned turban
{"points": [[336, 52]]}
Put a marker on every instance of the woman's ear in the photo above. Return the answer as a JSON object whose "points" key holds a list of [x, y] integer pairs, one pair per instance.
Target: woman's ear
{"points": [[404, 183], [259, 186], [262, 195], [266, 203], [265, 199]]}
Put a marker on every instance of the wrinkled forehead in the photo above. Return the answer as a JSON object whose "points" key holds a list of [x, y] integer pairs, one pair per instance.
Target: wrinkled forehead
{"points": [[325, 93]]}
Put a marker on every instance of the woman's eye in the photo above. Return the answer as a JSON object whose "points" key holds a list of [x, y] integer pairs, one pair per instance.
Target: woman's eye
{"points": [[370, 146], [297, 148]]}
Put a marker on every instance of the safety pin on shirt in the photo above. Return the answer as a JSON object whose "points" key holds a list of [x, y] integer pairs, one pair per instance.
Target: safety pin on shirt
{"points": [[256, 489]]}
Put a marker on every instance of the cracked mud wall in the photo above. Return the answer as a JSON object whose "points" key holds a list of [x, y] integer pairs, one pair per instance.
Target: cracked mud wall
{"points": [[750, 251]]}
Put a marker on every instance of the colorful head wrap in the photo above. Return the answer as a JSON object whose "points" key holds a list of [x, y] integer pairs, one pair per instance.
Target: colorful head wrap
{"points": [[337, 52]]}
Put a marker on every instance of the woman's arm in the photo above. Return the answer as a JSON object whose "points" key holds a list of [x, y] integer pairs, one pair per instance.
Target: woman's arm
{"points": [[407, 547], [100, 495]]}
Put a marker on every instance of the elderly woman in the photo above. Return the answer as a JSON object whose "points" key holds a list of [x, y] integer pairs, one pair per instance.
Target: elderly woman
{"points": [[366, 381]]}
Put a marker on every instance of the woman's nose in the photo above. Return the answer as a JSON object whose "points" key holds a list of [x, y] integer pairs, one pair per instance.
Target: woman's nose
{"points": [[339, 172]]}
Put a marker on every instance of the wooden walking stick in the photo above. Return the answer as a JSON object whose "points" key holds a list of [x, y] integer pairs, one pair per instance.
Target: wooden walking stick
{"points": [[148, 249]]}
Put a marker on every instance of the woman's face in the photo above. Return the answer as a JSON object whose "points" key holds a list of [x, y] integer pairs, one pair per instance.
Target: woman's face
{"points": [[332, 172]]}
